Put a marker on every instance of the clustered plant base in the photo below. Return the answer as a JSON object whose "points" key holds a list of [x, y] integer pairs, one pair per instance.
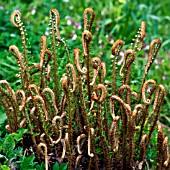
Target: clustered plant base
{"points": [[81, 117]]}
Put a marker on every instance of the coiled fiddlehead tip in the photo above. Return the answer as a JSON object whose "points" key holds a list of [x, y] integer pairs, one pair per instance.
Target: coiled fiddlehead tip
{"points": [[87, 36], [15, 18], [76, 60], [117, 46], [54, 12], [88, 26]]}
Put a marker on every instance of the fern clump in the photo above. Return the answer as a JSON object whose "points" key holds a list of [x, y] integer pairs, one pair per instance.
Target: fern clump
{"points": [[82, 117]]}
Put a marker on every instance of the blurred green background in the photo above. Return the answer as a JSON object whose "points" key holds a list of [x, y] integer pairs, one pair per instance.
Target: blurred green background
{"points": [[114, 20]]}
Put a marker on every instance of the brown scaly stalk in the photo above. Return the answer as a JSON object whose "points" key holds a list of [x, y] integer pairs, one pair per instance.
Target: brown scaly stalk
{"points": [[166, 155], [86, 38], [160, 139], [153, 51], [147, 102], [160, 94], [138, 42], [116, 48], [43, 52], [123, 139], [125, 95], [125, 70], [96, 64], [102, 128], [44, 153], [81, 98], [143, 149], [54, 21], [11, 103], [23, 69], [49, 99]]}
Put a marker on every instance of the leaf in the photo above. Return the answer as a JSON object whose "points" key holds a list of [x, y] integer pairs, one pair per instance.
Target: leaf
{"points": [[2, 118], [18, 136], [56, 166], [4, 167], [40, 167], [8, 145], [27, 163], [99, 151], [63, 166]]}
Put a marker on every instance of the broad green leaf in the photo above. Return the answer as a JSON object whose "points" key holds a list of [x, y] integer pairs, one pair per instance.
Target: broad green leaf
{"points": [[40, 167], [99, 151], [63, 166], [27, 163], [18, 136], [8, 145], [56, 166], [4, 167]]}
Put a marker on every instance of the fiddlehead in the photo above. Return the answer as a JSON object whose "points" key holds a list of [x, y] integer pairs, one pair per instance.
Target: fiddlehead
{"points": [[144, 89], [23, 69], [49, 98], [56, 129], [153, 51], [79, 138], [138, 44], [16, 21], [76, 61], [96, 64], [159, 98], [88, 22], [127, 65], [116, 48], [44, 153]]}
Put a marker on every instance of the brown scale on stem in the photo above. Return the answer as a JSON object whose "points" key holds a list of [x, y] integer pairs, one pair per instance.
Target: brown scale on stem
{"points": [[125, 70]]}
